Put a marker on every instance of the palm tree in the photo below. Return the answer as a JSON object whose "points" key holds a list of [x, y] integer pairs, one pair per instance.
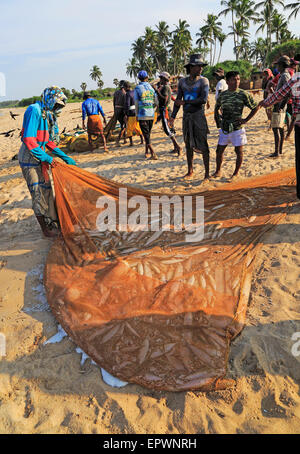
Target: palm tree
{"points": [[278, 24], [268, 12], [139, 50], [184, 38], [152, 44], [83, 86], [230, 8], [295, 7], [240, 32], [175, 50], [259, 50], [95, 73], [132, 68], [211, 30], [221, 38], [163, 33], [245, 12]]}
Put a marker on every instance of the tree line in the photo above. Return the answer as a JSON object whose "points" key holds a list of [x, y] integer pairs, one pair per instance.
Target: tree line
{"points": [[161, 48]]}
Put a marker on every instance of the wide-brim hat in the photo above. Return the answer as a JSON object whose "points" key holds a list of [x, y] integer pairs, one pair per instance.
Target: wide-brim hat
{"points": [[219, 72], [165, 75], [195, 60], [285, 59]]}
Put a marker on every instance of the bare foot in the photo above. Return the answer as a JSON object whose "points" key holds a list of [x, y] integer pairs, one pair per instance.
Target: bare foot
{"points": [[189, 175], [154, 157], [233, 177], [53, 233], [274, 155], [106, 150], [205, 180], [216, 175]]}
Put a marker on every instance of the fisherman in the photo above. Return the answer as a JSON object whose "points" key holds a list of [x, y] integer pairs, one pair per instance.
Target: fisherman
{"points": [[91, 108], [291, 88], [145, 102], [164, 94], [219, 75], [119, 110], [192, 94], [266, 83], [231, 103], [279, 110], [132, 125], [34, 161]]}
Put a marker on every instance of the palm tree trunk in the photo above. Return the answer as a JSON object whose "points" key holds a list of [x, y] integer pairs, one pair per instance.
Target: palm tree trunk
{"points": [[220, 50], [234, 38], [215, 46]]}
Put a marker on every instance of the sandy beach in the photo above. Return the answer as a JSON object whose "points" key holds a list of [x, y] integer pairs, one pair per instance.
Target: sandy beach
{"points": [[47, 388]]}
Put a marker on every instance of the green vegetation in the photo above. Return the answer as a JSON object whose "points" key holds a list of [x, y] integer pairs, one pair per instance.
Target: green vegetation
{"points": [[161, 48], [244, 67], [290, 48]]}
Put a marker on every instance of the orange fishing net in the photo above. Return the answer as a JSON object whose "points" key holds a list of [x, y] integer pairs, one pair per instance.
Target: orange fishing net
{"points": [[148, 306]]}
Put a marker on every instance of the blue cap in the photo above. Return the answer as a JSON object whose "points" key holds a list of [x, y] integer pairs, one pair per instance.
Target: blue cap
{"points": [[142, 74]]}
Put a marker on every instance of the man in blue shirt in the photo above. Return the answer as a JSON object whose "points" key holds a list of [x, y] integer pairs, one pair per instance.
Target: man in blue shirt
{"points": [[91, 108], [145, 103]]}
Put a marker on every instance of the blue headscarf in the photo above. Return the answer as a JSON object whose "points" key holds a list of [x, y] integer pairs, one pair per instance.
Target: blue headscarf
{"points": [[52, 96]]}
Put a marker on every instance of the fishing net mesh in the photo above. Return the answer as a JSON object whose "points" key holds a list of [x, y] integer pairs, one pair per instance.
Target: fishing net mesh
{"points": [[149, 306]]}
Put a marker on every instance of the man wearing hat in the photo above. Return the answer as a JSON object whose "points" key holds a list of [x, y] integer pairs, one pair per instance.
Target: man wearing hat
{"points": [[221, 84], [145, 102], [279, 110], [164, 94], [291, 88], [192, 94], [91, 108]]}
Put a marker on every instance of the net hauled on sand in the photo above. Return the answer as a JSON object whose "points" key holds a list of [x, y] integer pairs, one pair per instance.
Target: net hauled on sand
{"points": [[148, 306]]}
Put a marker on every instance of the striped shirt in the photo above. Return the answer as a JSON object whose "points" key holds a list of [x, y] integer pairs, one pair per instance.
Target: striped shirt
{"points": [[291, 88]]}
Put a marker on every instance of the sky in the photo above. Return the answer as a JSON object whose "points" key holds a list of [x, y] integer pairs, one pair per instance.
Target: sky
{"points": [[58, 42]]}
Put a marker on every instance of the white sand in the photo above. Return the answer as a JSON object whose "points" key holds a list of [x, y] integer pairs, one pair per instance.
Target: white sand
{"points": [[46, 389]]}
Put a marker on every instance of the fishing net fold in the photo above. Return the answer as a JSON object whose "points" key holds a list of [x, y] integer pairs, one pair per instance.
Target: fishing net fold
{"points": [[149, 306]]}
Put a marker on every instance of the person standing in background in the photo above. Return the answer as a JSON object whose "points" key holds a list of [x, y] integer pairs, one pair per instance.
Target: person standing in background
{"points": [[192, 94], [164, 94], [145, 103], [119, 110], [132, 125], [221, 82], [91, 108]]}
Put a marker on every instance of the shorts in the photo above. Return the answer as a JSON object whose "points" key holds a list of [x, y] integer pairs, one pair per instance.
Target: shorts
{"points": [[146, 126], [237, 138], [278, 120], [164, 116]]}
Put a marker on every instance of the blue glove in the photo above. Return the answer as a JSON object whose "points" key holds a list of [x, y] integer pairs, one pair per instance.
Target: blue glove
{"points": [[63, 156], [69, 160]]}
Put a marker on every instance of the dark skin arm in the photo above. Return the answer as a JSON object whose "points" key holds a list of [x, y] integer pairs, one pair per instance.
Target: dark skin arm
{"points": [[158, 91], [253, 112], [217, 116]]}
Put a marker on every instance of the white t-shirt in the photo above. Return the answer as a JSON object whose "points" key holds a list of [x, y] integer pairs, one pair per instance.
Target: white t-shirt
{"points": [[221, 86]]}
